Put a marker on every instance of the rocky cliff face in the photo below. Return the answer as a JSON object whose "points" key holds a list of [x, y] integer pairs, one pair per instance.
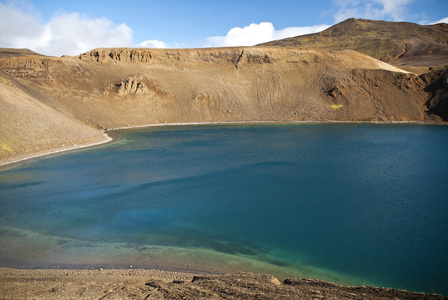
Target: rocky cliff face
{"points": [[117, 55], [109, 88], [437, 88], [152, 56]]}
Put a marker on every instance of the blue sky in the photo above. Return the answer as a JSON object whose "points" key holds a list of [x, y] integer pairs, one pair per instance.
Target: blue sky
{"points": [[72, 27]]}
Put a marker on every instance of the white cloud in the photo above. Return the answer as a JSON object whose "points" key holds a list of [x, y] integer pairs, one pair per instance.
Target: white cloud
{"points": [[296, 31], [65, 33], [258, 33], [73, 33], [152, 44], [17, 27], [444, 20], [249, 35], [371, 9]]}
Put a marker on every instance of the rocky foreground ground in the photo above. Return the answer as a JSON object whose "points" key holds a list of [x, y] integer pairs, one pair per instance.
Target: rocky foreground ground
{"points": [[155, 284]]}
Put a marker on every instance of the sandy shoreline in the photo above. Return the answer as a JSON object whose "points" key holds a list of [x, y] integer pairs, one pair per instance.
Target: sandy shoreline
{"points": [[271, 122], [24, 157]]}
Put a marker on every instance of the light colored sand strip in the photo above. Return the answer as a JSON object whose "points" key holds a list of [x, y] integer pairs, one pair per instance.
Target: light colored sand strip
{"points": [[23, 157], [106, 138]]}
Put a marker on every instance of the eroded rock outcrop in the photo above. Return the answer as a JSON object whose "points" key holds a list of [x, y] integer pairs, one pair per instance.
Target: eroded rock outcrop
{"points": [[37, 67], [137, 84], [132, 85], [118, 55]]}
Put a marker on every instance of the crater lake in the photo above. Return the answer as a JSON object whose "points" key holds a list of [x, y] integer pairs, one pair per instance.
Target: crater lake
{"points": [[356, 204]]}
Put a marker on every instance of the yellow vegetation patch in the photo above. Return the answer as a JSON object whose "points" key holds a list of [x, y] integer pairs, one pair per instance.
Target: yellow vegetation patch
{"points": [[337, 106], [5, 147]]}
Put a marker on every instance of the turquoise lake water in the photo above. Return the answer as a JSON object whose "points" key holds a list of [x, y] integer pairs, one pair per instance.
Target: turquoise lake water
{"points": [[353, 204]]}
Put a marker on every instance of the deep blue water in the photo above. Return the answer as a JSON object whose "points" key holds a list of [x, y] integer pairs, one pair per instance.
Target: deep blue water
{"points": [[366, 202]]}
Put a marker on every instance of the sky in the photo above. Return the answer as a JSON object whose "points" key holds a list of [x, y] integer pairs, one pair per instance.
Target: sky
{"points": [[60, 27]]}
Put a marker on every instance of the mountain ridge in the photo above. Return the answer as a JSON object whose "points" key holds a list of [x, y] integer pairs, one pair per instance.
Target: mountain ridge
{"points": [[406, 45]]}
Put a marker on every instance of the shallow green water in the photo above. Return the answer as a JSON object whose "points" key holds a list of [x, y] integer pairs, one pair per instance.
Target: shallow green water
{"points": [[355, 204]]}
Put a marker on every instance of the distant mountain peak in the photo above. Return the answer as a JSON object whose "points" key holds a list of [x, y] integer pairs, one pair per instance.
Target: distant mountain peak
{"points": [[400, 43]]}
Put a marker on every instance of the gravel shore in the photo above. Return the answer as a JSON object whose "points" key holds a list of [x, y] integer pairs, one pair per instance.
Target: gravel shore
{"points": [[156, 284]]}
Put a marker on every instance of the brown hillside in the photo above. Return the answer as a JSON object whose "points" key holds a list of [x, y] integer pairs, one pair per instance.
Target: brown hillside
{"points": [[7, 52], [48, 103], [406, 45]]}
